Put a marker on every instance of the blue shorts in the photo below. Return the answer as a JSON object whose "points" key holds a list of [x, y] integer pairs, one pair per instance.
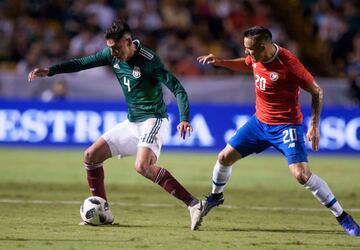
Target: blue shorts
{"points": [[255, 137]]}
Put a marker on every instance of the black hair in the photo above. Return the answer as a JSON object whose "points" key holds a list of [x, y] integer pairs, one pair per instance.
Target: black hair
{"points": [[259, 33], [117, 30]]}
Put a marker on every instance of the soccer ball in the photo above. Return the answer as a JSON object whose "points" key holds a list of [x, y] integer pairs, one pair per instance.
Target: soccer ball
{"points": [[95, 211]]}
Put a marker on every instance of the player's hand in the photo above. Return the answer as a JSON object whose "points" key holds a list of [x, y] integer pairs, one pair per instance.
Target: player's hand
{"points": [[38, 72], [209, 59], [184, 128], [313, 135]]}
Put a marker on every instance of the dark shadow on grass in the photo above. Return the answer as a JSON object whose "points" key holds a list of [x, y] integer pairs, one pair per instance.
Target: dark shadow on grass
{"points": [[129, 225], [117, 225], [59, 240], [295, 231]]}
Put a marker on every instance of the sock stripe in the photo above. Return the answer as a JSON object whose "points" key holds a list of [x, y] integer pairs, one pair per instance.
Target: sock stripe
{"points": [[218, 184], [331, 203], [159, 175], [91, 166]]}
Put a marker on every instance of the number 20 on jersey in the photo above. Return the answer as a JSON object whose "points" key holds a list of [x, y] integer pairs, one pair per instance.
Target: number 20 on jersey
{"points": [[260, 82]]}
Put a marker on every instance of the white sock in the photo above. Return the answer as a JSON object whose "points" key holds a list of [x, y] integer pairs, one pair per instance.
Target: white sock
{"points": [[221, 175], [322, 192]]}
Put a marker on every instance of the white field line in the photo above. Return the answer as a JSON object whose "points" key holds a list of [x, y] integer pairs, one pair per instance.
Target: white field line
{"points": [[155, 205]]}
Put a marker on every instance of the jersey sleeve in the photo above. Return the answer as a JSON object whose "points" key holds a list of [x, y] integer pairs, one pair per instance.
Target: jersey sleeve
{"points": [[298, 69], [98, 59], [172, 83]]}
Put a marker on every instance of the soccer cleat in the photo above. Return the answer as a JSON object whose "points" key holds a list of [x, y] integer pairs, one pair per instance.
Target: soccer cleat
{"points": [[350, 226], [195, 215], [213, 200]]}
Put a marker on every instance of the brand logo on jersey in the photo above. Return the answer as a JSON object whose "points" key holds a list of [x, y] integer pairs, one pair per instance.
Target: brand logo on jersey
{"points": [[116, 66], [136, 72], [274, 76]]}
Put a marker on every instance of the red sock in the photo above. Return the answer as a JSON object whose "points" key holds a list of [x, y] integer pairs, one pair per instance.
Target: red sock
{"points": [[172, 186], [95, 178]]}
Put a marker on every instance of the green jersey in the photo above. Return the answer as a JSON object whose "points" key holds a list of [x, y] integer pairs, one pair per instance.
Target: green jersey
{"points": [[140, 78]]}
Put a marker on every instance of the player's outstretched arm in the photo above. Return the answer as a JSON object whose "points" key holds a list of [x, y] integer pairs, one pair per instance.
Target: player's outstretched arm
{"points": [[209, 59], [313, 134], [237, 64], [38, 72], [100, 58]]}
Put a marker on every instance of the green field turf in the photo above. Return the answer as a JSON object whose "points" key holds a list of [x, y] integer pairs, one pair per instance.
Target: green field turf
{"points": [[265, 208]]}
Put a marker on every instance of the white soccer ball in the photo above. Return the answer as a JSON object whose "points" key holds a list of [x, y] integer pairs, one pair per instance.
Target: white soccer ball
{"points": [[95, 211]]}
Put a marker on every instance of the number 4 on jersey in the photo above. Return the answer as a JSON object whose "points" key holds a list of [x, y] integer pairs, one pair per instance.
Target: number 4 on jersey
{"points": [[127, 83]]}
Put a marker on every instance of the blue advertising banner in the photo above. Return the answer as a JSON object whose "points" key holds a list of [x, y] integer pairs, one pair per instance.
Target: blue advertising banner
{"points": [[70, 123]]}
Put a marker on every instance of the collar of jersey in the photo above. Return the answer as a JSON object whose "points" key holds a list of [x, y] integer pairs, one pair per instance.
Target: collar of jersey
{"points": [[137, 44], [274, 56]]}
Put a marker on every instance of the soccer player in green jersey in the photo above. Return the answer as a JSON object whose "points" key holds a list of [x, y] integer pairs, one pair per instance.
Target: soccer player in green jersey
{"points": [[140, 74]]}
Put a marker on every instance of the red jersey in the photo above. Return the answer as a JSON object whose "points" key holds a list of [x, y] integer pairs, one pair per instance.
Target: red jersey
{"points": [[277, 87]]}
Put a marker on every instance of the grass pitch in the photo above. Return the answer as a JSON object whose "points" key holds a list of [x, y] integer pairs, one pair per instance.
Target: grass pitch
{"points": [[265, 208]]}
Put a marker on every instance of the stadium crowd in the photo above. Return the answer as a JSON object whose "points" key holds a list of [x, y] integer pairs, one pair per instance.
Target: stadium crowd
{"points": [[43, 32], [40, 32], [336, 23]]}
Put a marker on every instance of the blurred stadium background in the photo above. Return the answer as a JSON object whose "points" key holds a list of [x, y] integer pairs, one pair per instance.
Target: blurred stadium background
{"points": [[324, 34]]}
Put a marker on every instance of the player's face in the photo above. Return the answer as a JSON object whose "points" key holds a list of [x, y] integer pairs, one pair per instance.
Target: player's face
{"points": [[121, 49], [254, 49]]}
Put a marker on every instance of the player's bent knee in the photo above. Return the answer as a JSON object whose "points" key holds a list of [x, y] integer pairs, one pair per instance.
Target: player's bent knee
{"points": [[91, 161], [89, 155], [228, 156], [301, 173], [224, 160], [99, 151], [92, 157], [301, 178], [141, 168]]}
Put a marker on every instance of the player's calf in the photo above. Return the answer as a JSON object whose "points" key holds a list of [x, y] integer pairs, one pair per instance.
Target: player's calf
{"points": [[95, 178]]}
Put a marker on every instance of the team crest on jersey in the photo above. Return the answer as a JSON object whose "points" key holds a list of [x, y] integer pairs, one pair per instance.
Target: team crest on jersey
{"points": [[274, 76], [136, 72]]}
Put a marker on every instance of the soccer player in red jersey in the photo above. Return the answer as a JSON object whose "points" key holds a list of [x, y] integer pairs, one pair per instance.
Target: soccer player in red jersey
{"points": [[278, 76]]}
